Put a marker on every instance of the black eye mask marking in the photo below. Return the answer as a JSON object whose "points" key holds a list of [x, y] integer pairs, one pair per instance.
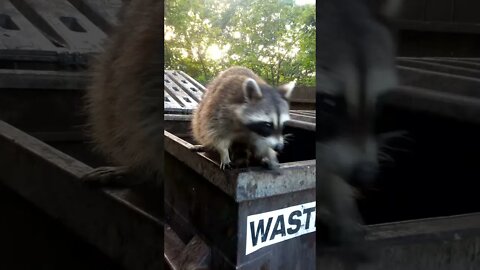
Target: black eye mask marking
{"points": [[264, 129]]}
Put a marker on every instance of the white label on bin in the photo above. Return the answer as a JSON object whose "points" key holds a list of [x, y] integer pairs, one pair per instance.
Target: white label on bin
{"points": [[272, 227]]}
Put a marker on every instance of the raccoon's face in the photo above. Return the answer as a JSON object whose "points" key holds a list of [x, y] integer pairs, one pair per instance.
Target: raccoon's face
{"points": [[355, 67], [265, 112], [348, 145]]}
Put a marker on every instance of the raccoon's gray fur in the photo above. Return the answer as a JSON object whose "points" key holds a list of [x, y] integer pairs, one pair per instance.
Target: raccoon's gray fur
{"points": [[239, 106], [355, 65], [125, 99]]}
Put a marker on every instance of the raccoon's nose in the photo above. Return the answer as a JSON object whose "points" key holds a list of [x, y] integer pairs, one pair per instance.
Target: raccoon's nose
{"points": [[363, 174], [278, 147]]}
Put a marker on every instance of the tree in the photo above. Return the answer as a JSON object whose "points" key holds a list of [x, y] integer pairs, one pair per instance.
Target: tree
{"points": [[276, 39]]}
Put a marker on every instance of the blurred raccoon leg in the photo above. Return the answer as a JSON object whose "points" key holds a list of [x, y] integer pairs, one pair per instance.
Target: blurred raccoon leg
{"points": [[268, 157], [248, 156], [272, 161], [222, 148], [112, 177], [240, 155], [340, 213], [339, 225]]}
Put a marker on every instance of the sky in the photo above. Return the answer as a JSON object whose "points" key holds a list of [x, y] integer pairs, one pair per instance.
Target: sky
{"points": [[304, 2]]}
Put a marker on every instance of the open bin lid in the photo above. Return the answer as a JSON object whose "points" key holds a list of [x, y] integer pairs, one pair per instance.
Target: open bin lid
{"points": [[58, 32]]}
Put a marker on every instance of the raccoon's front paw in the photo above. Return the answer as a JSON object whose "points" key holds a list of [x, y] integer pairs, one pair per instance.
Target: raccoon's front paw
{"points": [[225, 165], [273, 166], [225, 162], [108, 177]]}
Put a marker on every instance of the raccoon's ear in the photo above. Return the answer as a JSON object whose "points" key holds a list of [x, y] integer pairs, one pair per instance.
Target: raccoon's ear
{"points": [[287, 89], [251, 90]]}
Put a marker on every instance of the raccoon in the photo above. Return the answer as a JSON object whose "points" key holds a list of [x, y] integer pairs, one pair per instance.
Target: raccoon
{"points": [[124, 102], [355, 66], [240, 107]]}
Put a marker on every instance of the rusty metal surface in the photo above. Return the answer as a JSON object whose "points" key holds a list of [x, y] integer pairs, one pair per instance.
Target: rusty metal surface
{"points": [[300, 118], [44, 102], [195, 256], [434, 243], [439, 67], [438, 105], [50, 179], [42, 79], [440, 15], [39, 42], [454, 62], [173, 247], [473, 59], [205, 200], [438, 81], [194, 206], [438, 26], [244, 184], [49, 244], [427, 229], [431, 175], [449, 105], [449, 87]]}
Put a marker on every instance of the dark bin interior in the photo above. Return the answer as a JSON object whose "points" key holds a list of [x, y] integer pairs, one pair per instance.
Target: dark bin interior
{"points": [[31, 238], [300, 145], [436, 172], [82, 151], [55, 116]]}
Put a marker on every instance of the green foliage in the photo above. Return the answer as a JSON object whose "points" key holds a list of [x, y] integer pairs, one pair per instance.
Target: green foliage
{"points": [[276, 39]]}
